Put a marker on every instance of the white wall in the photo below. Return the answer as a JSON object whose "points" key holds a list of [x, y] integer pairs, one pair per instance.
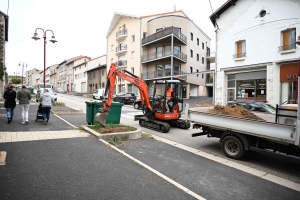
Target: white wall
{"points": [[263, 37]]}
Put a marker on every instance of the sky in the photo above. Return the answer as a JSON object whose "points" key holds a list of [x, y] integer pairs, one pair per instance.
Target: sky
{"points": [[80, 26]]}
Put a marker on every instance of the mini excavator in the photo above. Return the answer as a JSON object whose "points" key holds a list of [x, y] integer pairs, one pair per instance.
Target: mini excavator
{"points": [[160, 113]]}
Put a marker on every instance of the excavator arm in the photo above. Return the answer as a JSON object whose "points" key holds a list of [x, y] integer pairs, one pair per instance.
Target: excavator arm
{"points": [[109, 91]]}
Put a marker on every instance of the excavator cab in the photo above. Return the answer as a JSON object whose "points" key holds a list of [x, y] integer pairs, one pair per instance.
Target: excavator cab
{"points": [[167, 96]]}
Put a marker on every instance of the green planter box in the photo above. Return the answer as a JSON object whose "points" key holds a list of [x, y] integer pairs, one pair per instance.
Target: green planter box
{"points": [[114, 115], [89, 112]]}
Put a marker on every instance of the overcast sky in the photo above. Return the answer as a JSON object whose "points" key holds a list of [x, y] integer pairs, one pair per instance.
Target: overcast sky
{"points": [[80, 26]]}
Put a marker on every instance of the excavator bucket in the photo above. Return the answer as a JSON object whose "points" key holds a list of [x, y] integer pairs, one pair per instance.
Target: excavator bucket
{"points": [[101, 118]]}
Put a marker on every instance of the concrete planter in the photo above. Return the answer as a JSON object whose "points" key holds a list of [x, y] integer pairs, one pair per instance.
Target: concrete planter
{"points": [[110, 136]]}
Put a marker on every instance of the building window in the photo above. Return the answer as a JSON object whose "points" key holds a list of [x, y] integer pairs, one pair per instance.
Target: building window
{"points": [[102, 72], [132, 54], [191, 69], [202, 76], [240, 49], [198, 74], [144, 35], [198, 42], [192, 36], [197, 57], [288, 39], [202, 60], [202, 45], [133, 38], [112, 47], [103, 84], [191, 53], [111, 61], [159, 29], [132, 70]]}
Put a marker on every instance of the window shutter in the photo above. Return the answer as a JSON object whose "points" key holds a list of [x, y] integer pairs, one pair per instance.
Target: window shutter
{"points": [[238, 49], [285, 42]]}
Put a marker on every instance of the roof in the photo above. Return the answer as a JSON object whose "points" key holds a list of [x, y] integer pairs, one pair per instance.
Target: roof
{"points": [[69, 60], [96, 68], [220, 10], [117, 16]]}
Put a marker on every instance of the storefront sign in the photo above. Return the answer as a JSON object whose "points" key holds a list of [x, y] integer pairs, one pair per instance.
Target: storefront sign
{"points": [[288, 73], [294, 76]]}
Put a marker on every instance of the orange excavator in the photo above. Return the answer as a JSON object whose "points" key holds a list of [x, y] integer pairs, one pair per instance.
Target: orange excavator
{"points": [[160, 110]]}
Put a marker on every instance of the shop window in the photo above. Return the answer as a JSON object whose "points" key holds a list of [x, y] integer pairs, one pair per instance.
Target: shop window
{"points": [[240, 49], [288, 92], [288, 40], [261, 89], [245, 89]]}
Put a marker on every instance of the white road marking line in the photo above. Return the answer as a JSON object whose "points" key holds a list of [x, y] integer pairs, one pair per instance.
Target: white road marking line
{"points": [[186, 190], [224, 161], [65, 121]]}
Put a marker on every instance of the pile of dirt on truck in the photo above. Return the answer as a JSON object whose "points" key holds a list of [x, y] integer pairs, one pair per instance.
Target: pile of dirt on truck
{"points": [[235, 111]]}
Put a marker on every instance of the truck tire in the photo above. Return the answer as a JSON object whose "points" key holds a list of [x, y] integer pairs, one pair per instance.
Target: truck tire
{"points": [[232, 147]]}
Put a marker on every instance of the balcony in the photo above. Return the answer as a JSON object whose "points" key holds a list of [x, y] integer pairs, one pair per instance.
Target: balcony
{"points": [[240, 56], [167, 32], [162, 74], [121, 63], [154, 56], [211, 56], [121, 34], [287, 48], [121, 49]]}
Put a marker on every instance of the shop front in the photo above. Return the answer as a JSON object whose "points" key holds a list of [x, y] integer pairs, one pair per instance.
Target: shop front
{"points": [[247, 86], [288, 82]]}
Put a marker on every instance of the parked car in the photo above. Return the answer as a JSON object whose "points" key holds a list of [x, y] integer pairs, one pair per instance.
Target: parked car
{"points": [[41, 92], [125, 97], [255, 106], [60, 90], [99, 94]]}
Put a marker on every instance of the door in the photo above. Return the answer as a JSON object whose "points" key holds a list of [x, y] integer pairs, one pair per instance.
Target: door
{"points": [[83, 87], [230, 94]]}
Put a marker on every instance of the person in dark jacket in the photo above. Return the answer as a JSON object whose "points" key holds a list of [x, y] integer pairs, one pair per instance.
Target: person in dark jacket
{"points": [[10, 102], [46, 100]]}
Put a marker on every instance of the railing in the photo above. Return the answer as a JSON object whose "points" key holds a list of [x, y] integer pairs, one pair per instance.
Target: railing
{"points": [[121, 32], [164, 53], [287, 47], [121, 63], [161, 74], [207, 65], [241, 55], [163, 33], [122, 47], [211, 54]]}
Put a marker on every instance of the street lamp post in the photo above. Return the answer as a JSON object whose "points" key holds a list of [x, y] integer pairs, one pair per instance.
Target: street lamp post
{"points": [[22, 68], [35, 37]]}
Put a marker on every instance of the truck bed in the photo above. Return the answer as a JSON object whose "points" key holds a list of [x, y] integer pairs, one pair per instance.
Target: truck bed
{"points": [[269, 130]]}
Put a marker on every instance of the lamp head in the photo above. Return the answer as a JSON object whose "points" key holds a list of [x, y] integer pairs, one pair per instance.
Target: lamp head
{"points": [[298, 40], [35, 36], [53, 39]]}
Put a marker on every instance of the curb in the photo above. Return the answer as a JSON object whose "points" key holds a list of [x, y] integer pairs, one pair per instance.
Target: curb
{"points": [[132, 135], [67, 112]]}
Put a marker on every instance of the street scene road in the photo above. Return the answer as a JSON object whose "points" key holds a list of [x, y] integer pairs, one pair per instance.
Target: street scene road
{"points": [[276, 164]]}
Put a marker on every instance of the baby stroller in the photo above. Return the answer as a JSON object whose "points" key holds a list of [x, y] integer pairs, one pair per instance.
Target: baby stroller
{"points": [[39, 114]]}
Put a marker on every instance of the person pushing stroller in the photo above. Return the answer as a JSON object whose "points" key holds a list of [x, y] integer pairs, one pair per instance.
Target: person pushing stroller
{"points": [[46, 101]]}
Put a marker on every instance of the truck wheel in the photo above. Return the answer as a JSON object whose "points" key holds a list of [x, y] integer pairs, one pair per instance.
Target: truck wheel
{"points": [[232, 147]]}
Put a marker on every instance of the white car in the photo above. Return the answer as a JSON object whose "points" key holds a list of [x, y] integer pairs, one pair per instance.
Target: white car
{"points": [[99, 94], [41, 92]]}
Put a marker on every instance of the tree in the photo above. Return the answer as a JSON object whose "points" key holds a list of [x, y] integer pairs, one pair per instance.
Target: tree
{"points": [[16, 80]]}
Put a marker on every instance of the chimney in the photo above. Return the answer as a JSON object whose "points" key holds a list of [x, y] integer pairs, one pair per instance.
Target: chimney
{"points": [[174, 8]]}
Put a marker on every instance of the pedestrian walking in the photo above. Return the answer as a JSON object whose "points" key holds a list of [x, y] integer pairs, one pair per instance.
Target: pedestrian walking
{"points": [[24, 96], [10, 96], [46, 100]]}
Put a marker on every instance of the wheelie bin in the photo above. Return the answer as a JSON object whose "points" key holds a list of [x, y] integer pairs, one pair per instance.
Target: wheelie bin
{"points": [[90, 112], [114, 115]]}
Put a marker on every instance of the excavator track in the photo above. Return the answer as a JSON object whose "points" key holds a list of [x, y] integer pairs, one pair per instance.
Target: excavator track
{"points": [[154, 125]]}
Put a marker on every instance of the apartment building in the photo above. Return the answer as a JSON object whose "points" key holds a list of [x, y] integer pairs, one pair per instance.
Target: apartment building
{"points": [[3, 40], [96, 78], [53, 80], [29, 79], [80, 72], [256, 54], [160, 46]]}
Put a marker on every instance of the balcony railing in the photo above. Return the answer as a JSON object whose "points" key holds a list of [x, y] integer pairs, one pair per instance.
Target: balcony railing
{"points": [[163, 33], [164, 53], [121, 63], [121, 32], [287, 47], [122, 47], [161, 74], [241, 55]]}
